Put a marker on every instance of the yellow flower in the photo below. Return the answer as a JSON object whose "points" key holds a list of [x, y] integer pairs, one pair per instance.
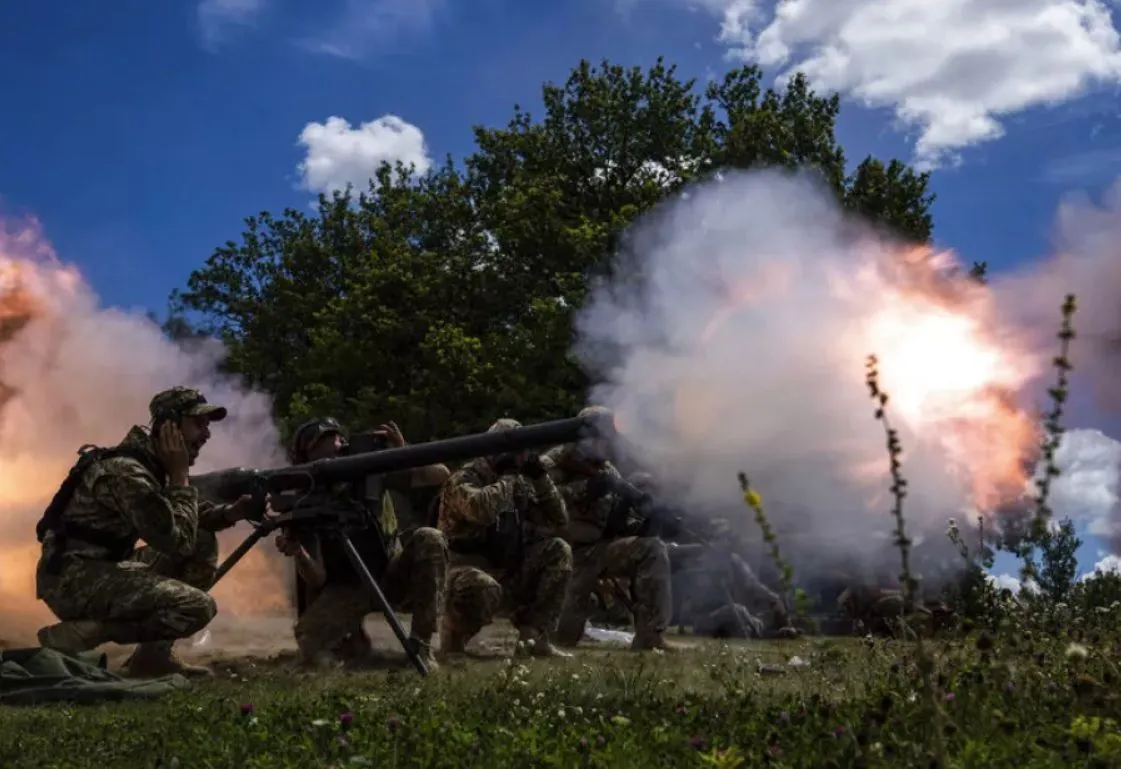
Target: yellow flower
{"points": [[752, 498]]}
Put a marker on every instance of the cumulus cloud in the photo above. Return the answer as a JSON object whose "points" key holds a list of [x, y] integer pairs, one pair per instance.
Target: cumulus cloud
{"points": [[950, 70], [1008, 582], [1087, 490], [367, 26], [338, 154], [1111, 564], [216, 17]]}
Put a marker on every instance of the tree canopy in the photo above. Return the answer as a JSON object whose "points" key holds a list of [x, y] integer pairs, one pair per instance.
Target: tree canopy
{"points": [[445, 300]]}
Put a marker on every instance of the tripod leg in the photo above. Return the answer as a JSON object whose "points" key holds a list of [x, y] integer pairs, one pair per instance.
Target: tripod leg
{"points": [[372, 585], [258, 534]]}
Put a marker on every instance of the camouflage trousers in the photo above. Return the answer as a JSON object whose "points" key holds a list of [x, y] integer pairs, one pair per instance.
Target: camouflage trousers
{"points": [[641, 560], [535, 594], [413, 581], [149, 598]]}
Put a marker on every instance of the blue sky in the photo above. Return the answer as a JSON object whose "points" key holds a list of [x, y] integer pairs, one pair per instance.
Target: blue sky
{"points": [[141, 133]]}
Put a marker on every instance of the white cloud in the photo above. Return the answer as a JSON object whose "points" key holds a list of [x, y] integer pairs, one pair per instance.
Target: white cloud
{"points": [[215, 17], [1006, 582], [338, 154], [366, 26], [1107, 565], [950, 69], [1087, 490]]}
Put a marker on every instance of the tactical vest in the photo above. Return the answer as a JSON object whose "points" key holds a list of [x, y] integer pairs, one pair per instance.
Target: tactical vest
{"points": [[54, 521]]}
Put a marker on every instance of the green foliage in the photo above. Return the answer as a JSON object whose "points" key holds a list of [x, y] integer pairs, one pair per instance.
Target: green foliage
{"points": [[445, 300]]}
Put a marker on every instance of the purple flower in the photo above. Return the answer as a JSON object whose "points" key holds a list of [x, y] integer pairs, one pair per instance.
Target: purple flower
{"points": [[948, 697], [393, 723], [697, 742], [680, 710], [345, 719], [838, 731], [1009, 687], [247, 709]]}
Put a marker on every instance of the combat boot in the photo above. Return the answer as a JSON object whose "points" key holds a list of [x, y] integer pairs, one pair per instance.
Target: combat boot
{"points": [[651, 640], [535, 644], [427, 656], [74, 637], [452, 641], [155, 660]]}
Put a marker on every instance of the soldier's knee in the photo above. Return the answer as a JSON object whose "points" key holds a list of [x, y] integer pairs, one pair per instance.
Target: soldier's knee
{"points": [[654, 553], [429, 542], [557, 554], [197, 610]]}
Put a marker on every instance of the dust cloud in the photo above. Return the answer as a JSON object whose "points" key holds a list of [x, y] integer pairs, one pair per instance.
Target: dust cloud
{"points": [[73, 373]]}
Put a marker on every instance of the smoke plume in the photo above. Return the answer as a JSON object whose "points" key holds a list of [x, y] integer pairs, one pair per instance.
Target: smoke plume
{"points": [[733, 336], [74, 373]]}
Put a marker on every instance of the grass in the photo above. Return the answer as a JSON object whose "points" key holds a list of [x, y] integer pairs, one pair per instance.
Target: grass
{"points": [[1028, 701]]}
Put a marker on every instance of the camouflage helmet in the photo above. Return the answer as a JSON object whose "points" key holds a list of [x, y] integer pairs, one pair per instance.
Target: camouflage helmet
{"points": [[643, 482], [309, 433], [179, 402], [504, 424], [602, 418]]}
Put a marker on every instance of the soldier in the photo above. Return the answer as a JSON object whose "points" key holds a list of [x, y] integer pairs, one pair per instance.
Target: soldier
{"points": [[585, 477], [714, 589], [415, 565], [90, 573], [879, 610], [503, 518]]}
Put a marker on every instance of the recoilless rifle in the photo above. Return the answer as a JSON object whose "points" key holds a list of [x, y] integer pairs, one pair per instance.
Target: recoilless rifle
{"points": [[336, 497]]}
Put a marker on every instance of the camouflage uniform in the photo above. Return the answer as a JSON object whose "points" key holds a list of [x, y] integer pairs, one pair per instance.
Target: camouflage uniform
{"points": [[413, 580], [472, 503], [641, 560], [153, 595]]}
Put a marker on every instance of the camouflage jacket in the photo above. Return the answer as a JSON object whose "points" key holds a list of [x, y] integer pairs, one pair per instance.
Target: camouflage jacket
{"points": [[120, 498], [475, 496], [588, 516]]}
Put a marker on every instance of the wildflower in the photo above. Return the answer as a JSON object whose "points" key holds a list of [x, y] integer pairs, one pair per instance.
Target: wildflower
{"points": [[393, 723], [840, 730], [583, 743], [345, 719], [1077, 652], [343, 742], [247, 709], [680, 710], [1009, 687], [948, 697], [697, 742]]}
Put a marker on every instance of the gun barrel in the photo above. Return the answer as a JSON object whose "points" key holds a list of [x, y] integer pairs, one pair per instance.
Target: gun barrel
{"points": [[541, 435]]}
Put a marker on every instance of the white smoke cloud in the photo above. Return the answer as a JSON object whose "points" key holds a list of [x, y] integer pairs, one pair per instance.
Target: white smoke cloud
{"points": [[778, 389]]}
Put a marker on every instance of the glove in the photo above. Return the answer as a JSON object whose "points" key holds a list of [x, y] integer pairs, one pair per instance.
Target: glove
{"points": [[533, 468]]}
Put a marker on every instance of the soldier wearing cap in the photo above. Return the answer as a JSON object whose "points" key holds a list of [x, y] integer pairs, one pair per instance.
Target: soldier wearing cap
{"points": [[411, 566], [91, 574], [504, 521], [585, 475]]}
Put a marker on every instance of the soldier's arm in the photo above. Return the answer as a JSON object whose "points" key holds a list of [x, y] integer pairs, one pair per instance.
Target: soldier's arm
{"points": [[165, 518], [478, 504], [214, 517], [549, 509]]}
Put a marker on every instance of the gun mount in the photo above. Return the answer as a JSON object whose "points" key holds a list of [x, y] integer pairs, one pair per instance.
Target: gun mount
{"points": [[304, 497]]}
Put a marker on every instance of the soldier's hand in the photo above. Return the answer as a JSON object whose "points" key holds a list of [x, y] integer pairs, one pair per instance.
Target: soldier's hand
{"points": [[532, 467], [392, 435], [288, 544], [171, 449], [241, 509]]}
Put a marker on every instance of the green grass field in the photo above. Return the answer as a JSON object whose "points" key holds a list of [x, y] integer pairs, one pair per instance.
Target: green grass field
{"points": [[1019, 701]]}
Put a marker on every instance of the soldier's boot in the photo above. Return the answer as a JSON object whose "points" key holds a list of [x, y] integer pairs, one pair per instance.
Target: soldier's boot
{"points": [[424, 651], [452, 639], [652, 640], [75, 637], [537, 644], [155, 660]]}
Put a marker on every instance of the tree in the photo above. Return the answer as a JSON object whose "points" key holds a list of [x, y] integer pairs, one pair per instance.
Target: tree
{"points": [[1058, 564], [446, 300]]}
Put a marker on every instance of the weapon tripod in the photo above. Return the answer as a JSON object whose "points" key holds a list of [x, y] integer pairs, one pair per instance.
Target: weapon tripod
{"points": [[339, 524]]}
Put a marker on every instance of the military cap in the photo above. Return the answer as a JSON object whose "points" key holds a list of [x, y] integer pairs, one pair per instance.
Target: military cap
{"points": [[504, 424], [179, 402]]}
